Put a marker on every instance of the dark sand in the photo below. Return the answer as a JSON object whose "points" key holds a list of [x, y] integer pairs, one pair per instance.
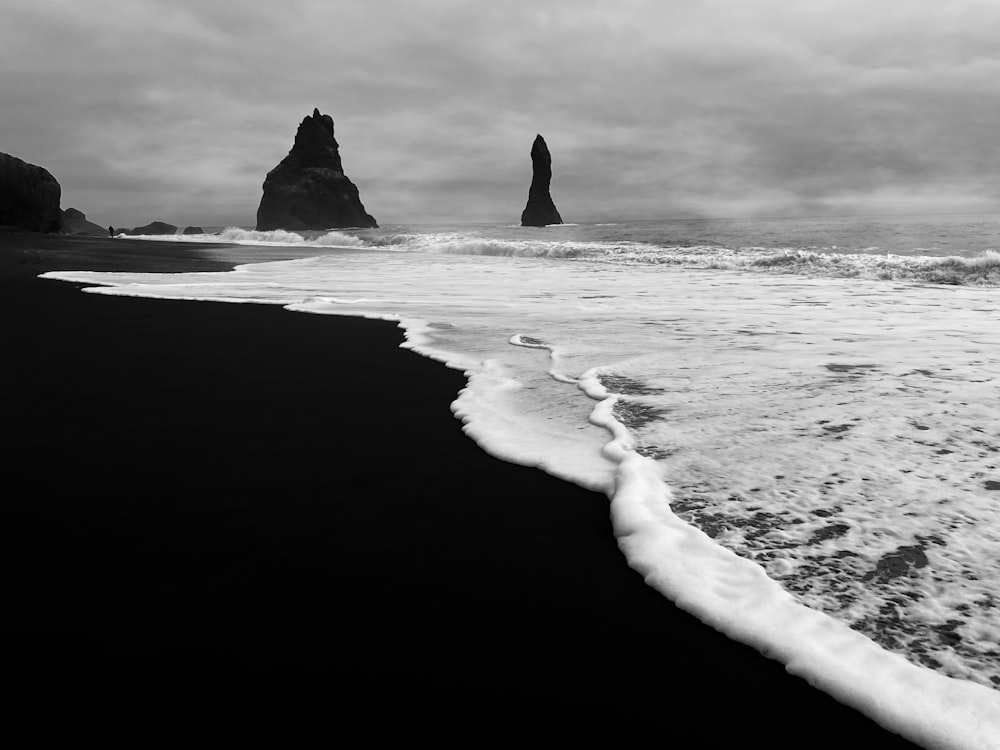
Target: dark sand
{"points": [[235, 513]]}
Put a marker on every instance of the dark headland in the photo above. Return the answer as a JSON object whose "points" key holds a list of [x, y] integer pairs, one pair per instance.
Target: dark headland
{"points": [[29, 196], [540, 209], [75, 221], [228, 516], [308, 189]]}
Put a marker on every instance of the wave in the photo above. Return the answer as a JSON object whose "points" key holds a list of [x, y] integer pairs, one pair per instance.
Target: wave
{"points": [[517, 249], [393, 240], [271, 238], [463, 244], [285, 238], [982, 269]]}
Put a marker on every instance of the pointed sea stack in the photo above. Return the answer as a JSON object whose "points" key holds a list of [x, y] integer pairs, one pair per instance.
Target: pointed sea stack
{"points": [[540, 209], [308, 189]]}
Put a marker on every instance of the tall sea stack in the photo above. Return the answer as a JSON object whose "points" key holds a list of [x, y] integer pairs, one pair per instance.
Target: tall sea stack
{"points": [[29, 196], [308, 189], [540, 209]]}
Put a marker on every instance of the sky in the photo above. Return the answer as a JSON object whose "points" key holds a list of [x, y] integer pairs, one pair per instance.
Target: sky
{"points": [[175, 110]]}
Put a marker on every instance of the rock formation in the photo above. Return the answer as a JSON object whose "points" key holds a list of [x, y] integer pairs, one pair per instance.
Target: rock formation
{"points": [[159, 227], [75, 222], [29, 196], [540, 209], [308, 189], [155, 227]]}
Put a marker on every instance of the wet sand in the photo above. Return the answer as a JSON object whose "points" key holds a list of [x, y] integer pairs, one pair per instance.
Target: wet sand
{"points": [[215, 511]]}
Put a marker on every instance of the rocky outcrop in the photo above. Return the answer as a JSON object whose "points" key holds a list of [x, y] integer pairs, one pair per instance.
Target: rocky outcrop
{"points": [[75, 222], [29, 196], [155, 227], [308, 189], [160, 227], [540, 209]]}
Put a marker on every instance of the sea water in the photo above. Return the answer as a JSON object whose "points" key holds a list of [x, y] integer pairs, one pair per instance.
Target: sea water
{"points": [[795, 421]]}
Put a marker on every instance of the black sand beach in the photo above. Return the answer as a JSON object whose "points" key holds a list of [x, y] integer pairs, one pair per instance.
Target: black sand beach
{"points": [[213, 510]]}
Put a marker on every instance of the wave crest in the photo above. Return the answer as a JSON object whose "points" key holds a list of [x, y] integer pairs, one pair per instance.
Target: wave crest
{"points": [[281, 237], [982, 269], [271, 238], [459, 244]]}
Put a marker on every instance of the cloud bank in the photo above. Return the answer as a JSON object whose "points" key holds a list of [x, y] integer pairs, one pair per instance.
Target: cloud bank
{"points": [[148, 109]]}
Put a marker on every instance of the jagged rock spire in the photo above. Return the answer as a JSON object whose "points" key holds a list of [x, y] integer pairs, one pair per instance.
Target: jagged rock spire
{"points": [[308, 189], [540, 210]]}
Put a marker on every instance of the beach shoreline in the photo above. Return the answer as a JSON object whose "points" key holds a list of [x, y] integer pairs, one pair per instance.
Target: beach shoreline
{"points": [[236, 499]]}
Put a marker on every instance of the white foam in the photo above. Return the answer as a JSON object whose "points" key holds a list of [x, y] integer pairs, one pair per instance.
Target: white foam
{"points": [[737, 597], [272, 238], [742, 384], [980, 269]]}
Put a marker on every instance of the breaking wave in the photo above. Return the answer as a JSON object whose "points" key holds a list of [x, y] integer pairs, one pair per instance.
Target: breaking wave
{"points": [[281, 237], [982, 269], [271, 238], [463, 244], [979, 269]]}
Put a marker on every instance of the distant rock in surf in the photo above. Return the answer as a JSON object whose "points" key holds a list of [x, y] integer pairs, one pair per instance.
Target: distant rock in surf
{"points": [[193, 230], [154, 227], [29, 196], [540, 209], [308, 189], [74, 221]]}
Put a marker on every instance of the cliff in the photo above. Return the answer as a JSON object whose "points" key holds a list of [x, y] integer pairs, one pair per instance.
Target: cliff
{"points": [[29, 196]]}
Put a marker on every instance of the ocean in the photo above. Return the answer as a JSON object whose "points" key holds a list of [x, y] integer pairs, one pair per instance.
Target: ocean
{"points": [[795, 420]]}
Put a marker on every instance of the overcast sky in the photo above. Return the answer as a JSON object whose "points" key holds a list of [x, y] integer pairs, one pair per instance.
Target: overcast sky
{"points": [[175, 110]]}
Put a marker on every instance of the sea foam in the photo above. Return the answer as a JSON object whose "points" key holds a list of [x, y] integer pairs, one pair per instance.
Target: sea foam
{"points": [[805, 463], [270, 238], [612, 243]]}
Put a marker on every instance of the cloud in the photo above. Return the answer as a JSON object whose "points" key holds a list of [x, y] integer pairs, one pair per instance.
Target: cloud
{"points": [[150, 109]]}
